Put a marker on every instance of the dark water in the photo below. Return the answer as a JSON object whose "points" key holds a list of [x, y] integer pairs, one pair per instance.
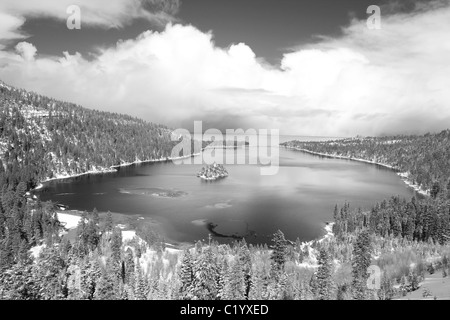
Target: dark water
{"points": [[298, 200]]}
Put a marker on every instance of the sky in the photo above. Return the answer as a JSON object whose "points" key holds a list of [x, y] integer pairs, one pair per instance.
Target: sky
{"points": [[310, 67]]}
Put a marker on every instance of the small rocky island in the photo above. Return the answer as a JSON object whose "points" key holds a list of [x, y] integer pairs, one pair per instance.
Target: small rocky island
{"points": [[213, 172]]}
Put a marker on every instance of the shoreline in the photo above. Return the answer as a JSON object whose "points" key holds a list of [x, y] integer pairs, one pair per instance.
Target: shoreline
{"points": [[328, 226], [127, 224], [403, 175], [70, 219], [111, 169]]}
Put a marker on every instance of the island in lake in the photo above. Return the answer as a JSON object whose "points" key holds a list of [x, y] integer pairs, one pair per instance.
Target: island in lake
{"points": [[213, 172]]}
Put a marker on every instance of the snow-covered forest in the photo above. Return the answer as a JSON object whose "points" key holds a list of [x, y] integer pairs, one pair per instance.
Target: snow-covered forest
{"points": [[42, 138]]}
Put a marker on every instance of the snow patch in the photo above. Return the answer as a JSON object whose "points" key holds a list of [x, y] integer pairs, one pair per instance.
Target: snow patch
{"points": [[409, 183], [69, 221], [36, 251], [329, 229]]}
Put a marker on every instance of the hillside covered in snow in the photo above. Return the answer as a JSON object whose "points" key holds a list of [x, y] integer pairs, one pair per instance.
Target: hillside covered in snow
{"points": [[42, 138]]}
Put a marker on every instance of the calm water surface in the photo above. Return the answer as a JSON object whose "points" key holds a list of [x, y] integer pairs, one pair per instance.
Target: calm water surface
{"points": [[298, 200]]}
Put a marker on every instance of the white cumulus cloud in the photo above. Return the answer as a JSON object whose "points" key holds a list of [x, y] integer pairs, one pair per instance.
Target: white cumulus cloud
{"points": [[393, 80], [26, 50]]}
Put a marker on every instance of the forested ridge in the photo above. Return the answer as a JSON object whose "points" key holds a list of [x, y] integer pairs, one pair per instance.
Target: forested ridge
{"points": [[406, 238], [425, 158], [99, 264], [43, 138]]}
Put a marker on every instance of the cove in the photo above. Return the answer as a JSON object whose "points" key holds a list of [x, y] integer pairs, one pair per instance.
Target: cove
{"points": [[298, 200]]}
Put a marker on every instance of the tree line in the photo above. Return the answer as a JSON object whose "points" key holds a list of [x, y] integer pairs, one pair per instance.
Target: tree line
{"points": [[41, 138], [426, 158]]}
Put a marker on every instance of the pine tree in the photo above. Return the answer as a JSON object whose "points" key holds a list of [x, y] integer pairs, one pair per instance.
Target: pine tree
{"points": [[435, 189], [343, 292], [360, 264], [258, 286], [95, 217], [413, 281], [74, 282], [109, 222], [205, 276], [324, 282], [116, 244], [313, 287], [235, 287], [19, 283], [50, 273], [223, 280], [386, 290], [245, 262], [141, 288], [186, 275], [104, 289], [90, 275], [279, 252], [24, 253], [281, 288], [91, 235], [129, 267]]}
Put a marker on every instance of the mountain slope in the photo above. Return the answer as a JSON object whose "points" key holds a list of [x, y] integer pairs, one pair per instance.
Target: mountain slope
{"points": [[42, 138]]}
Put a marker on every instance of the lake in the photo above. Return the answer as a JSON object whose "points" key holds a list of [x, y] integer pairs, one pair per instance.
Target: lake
{"points": [[298, 200]]}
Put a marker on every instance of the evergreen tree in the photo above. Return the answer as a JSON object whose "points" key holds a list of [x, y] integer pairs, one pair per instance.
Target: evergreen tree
{"points": [[324, 282], [90, 275], [278, 256], [224, 276], [104, 289], [129, 267], [313, 287], [109, 222], [116, 244], [245, 263], [361, 262], [141, 289], [206, 276], [343, 292], [235, 287], [435, 189], [20, 283], [258, 286], [186, 275], [386, 291], [50, 273], [95, 217]]}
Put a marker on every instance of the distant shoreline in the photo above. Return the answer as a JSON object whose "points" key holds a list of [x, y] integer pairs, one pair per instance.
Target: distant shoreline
{"points": [[403, 175], [112, 169]]}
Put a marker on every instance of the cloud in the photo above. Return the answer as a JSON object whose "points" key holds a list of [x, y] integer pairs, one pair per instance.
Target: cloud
{"points": [[9, 28], [100, 13], [388, 81], [26, 50]]}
